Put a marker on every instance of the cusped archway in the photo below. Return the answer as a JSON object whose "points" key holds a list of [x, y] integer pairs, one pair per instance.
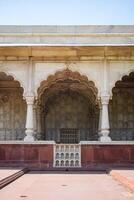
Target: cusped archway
{"points": [[121, 109], [69, 105], [12, 108]]}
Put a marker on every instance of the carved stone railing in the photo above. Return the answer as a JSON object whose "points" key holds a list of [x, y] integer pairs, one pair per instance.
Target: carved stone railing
{"points": [[67, 155]]}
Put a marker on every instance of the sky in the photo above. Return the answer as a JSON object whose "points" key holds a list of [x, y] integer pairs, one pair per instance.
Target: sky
{"points": [[66, 12]]}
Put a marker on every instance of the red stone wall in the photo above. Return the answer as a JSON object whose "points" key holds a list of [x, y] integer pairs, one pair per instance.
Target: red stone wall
{"points": [[40, 156], [31, 155], [107, 154]]}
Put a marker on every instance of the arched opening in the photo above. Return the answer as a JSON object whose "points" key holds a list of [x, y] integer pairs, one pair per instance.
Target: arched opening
{"points": [[12, 109], [69, 108], [121, 109]]}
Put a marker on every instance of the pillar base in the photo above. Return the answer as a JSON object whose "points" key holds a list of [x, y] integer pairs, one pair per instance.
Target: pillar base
{"points": [[99, 134], [29, 136], [104, 136], [105, 139]]}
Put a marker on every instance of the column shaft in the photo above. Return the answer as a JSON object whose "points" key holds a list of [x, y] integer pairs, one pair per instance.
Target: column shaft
{"points": [[99, 127], [105, 129], [39, 130], [29, 120]]}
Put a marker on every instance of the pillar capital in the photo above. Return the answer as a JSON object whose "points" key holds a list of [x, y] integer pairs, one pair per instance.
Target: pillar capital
{"points": [[29, 99], [105, 96], [105, 99]]}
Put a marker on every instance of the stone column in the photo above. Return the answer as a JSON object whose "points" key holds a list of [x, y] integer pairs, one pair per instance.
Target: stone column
{"points": [[105, 120], [39, 110], [29, 120], [35, 118], [99, 127]]}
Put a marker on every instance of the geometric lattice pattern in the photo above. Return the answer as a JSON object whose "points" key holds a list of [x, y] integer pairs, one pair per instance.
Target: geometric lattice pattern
{"points": [[66, 155]]}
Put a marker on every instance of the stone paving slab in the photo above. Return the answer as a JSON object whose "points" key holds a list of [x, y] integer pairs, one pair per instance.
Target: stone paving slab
{"points": [[64, 186], [124, 176]]}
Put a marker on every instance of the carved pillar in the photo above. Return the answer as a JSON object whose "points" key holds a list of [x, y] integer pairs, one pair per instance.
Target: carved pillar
{"points": [[29, 120], [30, 101], [104, 115], [104, 120]]}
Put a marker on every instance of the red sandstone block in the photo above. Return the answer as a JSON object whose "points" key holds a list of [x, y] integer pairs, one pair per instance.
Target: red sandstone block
{"points": [[46, 153], [31, 153], [86, 154], [2, 153], [12, 152], [111, 154]]}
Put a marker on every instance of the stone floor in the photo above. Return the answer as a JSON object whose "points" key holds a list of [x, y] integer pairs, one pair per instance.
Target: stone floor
{"points": [[67, 185]]}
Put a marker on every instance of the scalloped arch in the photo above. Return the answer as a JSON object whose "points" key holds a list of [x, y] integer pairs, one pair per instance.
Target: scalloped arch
{"points": [[121, 77], [7, 73], [63, 75], [127, 73]]}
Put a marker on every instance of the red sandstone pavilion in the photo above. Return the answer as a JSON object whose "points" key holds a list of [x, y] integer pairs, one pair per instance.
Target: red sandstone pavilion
{"points": [[66, 96]]}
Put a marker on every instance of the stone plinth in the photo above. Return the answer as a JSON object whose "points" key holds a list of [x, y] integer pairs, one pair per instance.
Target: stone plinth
{"points": [[27, 155], [112, 155], [40, 155]]}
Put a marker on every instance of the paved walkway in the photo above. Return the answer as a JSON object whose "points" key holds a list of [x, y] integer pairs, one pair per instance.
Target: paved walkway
{"points": [[64, 186]]}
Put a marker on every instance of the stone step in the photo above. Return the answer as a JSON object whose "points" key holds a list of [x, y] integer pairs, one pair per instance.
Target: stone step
{"points": [[125, 177], [12, 176]]}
